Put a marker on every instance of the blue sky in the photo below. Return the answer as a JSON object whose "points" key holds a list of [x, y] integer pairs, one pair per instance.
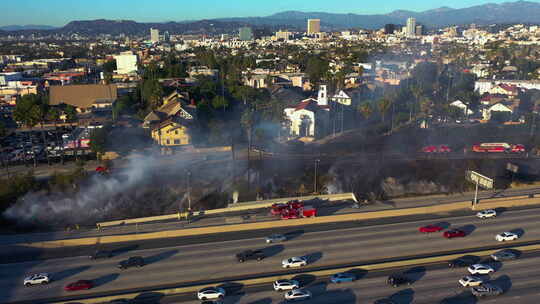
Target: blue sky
{"points": [[59, 12]]}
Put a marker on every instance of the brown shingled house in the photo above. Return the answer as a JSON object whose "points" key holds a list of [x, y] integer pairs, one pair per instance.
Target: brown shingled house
{"points": [[85, 98]]}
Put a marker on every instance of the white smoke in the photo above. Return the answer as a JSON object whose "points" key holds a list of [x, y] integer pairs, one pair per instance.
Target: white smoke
{"points": [[138, 188]]}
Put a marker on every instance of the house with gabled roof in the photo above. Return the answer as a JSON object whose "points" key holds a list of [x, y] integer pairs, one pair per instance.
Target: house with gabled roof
{"points": [[309, 118]]}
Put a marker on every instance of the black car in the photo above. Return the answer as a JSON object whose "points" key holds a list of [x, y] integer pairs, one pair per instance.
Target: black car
{"points": [[135, 261], [250, 255], [101, 254], [464, 261], [397, 279]]}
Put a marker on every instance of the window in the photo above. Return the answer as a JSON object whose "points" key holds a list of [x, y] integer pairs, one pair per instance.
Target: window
{"points": [[177, 141], [176, 132], [168, 142]]}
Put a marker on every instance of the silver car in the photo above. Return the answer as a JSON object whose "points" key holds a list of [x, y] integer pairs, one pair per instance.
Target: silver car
{"points": [[275, 238], [504, 255], [487, 289], [280, 285]]}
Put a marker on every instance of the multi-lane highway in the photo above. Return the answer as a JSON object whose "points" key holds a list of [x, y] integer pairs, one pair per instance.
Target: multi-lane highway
{"points": [[520, 279], [216, 260]]}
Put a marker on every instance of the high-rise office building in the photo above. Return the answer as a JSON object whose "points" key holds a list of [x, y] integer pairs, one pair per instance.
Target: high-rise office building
{"points": [[419, 30], [154, 35], [245, 33], [389, 29], [411, 27], [313, 26]]}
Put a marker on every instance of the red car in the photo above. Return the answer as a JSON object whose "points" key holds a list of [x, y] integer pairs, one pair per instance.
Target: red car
{"points": [[430, 228], [79, 285], [278, 208], [449, 234], [295, 204]]}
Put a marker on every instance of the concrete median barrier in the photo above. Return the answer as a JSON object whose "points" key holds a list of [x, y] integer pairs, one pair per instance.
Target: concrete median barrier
{"points": [[231, 208], [318, 274]]}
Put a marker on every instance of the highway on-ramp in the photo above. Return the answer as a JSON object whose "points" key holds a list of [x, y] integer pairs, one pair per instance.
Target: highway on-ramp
{"points": [[216, 260]]}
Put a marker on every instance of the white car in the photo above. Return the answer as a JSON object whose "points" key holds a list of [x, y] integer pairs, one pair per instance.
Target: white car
{"points": [[35, 279], [506, 236], [471, 281], [280, 285], [298, 295], [274, 238], [486, 214], [294, 262], [211, 293], [480, 269]]}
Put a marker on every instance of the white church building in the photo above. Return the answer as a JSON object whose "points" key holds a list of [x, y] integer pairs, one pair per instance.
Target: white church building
{"points": [[309, 118]]}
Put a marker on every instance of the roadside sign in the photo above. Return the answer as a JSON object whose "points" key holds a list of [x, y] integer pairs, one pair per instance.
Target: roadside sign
{"points": [[479, 179], [512, 167]]}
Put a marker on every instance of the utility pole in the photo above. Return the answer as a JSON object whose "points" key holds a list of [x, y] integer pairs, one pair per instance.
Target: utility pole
{"points": [[317, 161]]}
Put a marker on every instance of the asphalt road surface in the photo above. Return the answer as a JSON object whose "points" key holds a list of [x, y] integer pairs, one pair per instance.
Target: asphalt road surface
{"points": [[216, 260], [520, 280]]}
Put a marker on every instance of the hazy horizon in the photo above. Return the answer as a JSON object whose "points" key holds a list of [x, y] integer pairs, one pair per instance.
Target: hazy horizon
{"points": [[30, 12]]}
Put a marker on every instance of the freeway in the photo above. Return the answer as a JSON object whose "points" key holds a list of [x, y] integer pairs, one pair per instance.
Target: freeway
{"points": [[519, 279], [215, 261], [325, 208]]}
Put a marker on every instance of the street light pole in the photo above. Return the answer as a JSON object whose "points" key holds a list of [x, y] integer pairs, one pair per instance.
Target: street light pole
{"points": [[189, 189], [315, 181]]}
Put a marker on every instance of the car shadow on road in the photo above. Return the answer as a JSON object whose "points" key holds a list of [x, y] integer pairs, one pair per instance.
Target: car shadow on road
{"points": [[496, 265], [305, 279], [519, 231], [261, 301], [344, 296], [318, 288], [150, 297], [294, 234], [500, 210], [504, 282], [313, 257], [233, 288], [58, 276], [464, 297], [468, 229], [358, 273], [415, 274], [105, 279], [405, 296], [443, 225], [273, 250], [124, 249], [160, 256]]}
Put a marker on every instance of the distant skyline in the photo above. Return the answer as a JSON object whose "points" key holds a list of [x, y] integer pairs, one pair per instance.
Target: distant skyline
{"points": [[60, 12]]}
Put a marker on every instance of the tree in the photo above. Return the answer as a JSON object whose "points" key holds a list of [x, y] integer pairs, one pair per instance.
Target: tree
{"points": [[109, 66], [384, 105], [98, 141], [366, 110], [27, 110], [317, 68], [220, 102]]}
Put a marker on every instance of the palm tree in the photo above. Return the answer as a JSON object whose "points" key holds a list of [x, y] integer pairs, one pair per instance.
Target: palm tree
{"points": [[384, 105]]}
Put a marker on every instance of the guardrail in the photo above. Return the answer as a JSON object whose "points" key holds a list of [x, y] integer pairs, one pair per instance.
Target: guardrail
{"points": [[317, 273], [231, 208]]}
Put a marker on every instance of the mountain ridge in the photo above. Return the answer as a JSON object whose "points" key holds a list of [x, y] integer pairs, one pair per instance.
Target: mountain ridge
{"points": [[503, 13]]}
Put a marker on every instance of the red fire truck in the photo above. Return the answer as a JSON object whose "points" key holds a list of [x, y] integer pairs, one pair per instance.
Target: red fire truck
{"points": [[436, 149], [498, 148], [295, 213]]}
